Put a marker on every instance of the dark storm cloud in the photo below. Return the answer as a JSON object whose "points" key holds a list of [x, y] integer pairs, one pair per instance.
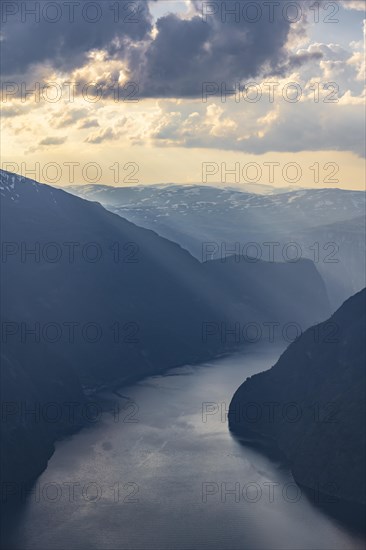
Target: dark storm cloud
{"points": [[212, 46], [62, 33], [226, 43], [218, 49]]}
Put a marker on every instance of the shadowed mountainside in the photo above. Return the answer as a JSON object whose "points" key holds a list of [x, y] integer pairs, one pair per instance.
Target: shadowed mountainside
{"points": [[90, 299], [327, 225], [317, 393]]}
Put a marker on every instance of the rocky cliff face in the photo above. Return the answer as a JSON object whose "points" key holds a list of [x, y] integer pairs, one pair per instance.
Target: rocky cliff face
{"points": [[311, 404]]}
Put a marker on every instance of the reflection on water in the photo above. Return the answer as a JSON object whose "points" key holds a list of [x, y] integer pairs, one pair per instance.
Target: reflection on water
{"points": [[164, 473]]}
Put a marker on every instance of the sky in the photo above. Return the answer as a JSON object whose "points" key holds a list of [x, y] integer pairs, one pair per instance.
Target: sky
{"points": [[139, 92]]}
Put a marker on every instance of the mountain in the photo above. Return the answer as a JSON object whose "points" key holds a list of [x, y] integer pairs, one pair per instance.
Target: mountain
{"points": [[304, 208], [342, 259], [311, 405], [266, 287], [68, 259], [90, 299], [319, 221]]}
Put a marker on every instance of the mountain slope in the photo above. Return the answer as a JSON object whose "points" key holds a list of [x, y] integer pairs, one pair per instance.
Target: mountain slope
{"points": [[341, 256], [317, 220], [90, 299], [118, 273], [275, 289], [317, 392], [70, 260], [293, 209]]}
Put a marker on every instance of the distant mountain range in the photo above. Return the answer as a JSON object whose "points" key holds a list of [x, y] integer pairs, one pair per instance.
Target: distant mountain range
{"points": [[90, 299], [311, 405], [322, 223]]}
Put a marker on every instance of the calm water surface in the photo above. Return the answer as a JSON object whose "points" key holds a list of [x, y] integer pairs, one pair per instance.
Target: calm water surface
{"points": [[158, 477]]}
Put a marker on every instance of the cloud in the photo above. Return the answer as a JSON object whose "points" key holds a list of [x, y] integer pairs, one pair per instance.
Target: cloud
{"points": [[297, 61], [344, 67], [53, 141], [66, 118], [62, 37], [220, 43], [88, 123], [262, 127], [187, 53], [103, 135], [315, 129], [358, 5], [12, 111], [171, 59]]}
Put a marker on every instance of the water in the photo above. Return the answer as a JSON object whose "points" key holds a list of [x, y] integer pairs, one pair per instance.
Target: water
{"points": [[154, 477]]}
